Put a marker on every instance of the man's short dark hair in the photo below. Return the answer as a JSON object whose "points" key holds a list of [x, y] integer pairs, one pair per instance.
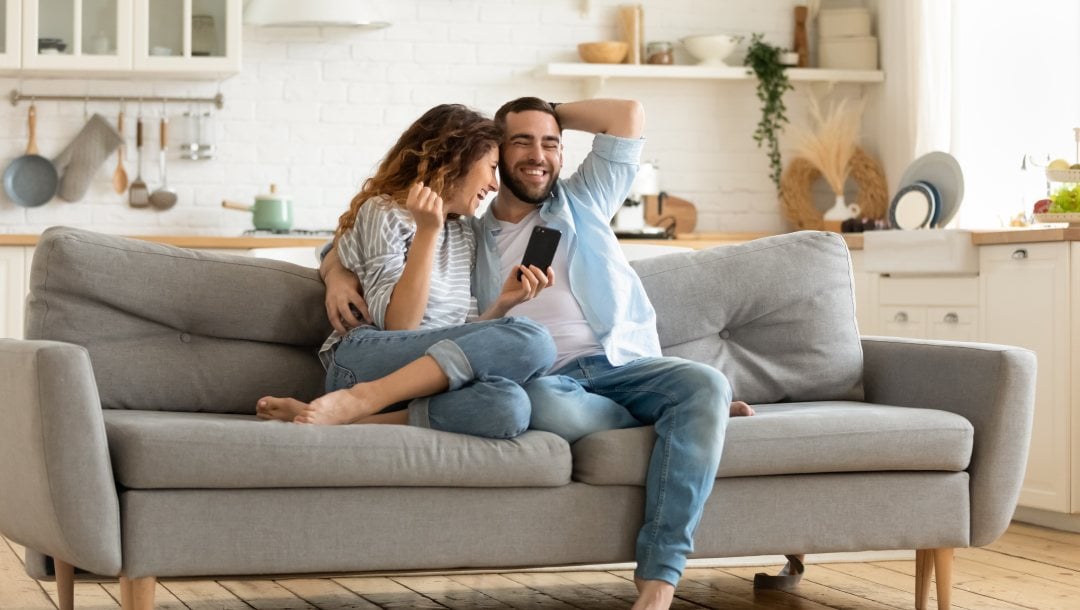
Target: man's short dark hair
{"points": [[523, 104]]}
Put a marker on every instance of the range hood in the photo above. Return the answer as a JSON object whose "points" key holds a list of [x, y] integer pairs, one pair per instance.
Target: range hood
{"points": [[313, 13]]}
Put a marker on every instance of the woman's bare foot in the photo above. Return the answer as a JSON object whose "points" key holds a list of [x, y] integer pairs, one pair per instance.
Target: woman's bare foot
{"points": [[284, 409], [653, 594], [740, 409], [337, 408]]}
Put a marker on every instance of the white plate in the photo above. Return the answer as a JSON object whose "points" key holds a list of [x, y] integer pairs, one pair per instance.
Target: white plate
{"points": [[913, 207], [943, 171], [1073, 218]]}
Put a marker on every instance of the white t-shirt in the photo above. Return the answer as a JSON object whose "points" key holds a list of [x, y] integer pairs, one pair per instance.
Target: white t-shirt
{"points": [[555, 307]]}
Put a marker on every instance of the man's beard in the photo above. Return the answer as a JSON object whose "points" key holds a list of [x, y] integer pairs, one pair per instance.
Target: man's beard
{"points": [[521, 191]]}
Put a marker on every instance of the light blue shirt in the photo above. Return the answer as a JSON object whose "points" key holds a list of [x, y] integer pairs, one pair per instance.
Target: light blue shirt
{"points": [[607, 288]]}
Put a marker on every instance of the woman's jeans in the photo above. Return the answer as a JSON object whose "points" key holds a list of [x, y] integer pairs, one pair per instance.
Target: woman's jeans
{"points": [[486, 362], [688, 403]]}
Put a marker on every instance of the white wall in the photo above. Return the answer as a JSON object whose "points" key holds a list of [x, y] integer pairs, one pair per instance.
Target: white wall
{"points": [[314, 110]]}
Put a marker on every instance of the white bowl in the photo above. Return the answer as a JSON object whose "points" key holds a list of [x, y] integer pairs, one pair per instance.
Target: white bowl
{"points": [[711, 49]]}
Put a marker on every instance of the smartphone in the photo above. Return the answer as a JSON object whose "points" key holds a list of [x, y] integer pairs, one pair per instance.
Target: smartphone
{"points": [[541, 248]]}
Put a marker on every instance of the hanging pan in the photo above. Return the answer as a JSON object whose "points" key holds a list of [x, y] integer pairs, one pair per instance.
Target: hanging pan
{"points": [[31, 180]]}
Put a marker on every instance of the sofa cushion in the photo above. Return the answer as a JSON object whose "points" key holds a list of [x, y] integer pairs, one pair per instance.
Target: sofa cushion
{"points": [[179, 330], [775, 315], [154, 450], [798, 438]]}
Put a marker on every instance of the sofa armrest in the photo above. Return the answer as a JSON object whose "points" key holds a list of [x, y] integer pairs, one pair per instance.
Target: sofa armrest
{"points": [[57, 493], [993, 386]]}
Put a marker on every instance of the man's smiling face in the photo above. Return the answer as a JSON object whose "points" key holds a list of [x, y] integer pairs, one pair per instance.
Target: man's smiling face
{"points": [[530, 157]]}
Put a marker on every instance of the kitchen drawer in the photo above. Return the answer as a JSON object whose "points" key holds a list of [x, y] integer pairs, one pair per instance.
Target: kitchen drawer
{"points": [[952, 323], [907, 322], [958, 290]]}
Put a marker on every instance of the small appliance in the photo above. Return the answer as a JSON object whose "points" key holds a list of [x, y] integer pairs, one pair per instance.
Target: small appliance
{"points": [[629, 221]]}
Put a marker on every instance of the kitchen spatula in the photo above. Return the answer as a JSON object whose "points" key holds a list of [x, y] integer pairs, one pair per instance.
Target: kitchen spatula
{"points": [[138, 194]]}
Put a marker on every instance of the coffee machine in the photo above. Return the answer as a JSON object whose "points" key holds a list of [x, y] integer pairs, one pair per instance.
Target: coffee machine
{"points": [[629, 221]]}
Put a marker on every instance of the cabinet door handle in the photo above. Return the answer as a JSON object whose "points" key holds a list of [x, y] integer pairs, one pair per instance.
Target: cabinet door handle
{"points": [[951, 318], [1020, 254], [900, 317]]}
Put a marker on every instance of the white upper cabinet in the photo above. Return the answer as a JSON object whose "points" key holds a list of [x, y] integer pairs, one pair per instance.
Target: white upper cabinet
{"points": [[76, 35], [10, 31], [185, 36], [120, 38]]}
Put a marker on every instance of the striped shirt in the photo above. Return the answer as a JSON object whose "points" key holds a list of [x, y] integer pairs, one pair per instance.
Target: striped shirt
{"points": [[376, 249]]}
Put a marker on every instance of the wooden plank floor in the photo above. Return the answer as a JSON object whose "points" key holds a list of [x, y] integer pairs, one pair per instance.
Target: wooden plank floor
{"points": [[1029, 567]]}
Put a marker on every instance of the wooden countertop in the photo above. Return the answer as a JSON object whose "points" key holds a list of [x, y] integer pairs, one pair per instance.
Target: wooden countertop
{"points": [[697, 241], [204, 242]]}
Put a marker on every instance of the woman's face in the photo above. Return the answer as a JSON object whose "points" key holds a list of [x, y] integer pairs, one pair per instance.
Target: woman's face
{"points": [[476, 185]]}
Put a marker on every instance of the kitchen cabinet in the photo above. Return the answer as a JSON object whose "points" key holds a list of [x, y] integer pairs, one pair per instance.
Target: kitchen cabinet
{"points": [[929, 307], [1025, 301], [11, 31], [125, 38], [866, 289], [13, 274], [76, 35], [188, 36]]}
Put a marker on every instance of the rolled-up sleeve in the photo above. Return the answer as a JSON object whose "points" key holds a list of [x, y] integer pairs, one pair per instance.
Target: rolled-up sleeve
{"points": [[605, 176], [375, 251]]}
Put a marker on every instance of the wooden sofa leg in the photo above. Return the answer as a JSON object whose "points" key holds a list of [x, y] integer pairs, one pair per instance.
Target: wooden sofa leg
{"points": [[137, 593], [943, 561], [924, 570], [65, 584]]}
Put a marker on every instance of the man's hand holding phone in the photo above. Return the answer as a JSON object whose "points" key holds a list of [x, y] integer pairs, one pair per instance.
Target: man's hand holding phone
{"points": [[533, 275]]}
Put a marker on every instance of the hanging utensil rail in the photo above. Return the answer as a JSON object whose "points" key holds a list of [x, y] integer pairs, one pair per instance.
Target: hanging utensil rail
{"points": [[17, 96]]}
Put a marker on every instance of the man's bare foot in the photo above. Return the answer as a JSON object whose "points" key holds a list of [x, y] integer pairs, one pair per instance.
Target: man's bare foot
{"points": [[653, 594], [284, 409], [336, 408], [740, 409]]}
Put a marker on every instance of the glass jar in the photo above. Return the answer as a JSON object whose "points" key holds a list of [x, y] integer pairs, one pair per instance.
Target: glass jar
{"points": [[659, 52]]}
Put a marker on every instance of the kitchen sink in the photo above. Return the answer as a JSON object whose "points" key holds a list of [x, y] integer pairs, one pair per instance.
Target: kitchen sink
{"points": [[929, 251]]}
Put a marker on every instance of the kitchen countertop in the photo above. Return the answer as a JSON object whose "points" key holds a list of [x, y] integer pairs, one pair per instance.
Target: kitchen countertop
{"points": [[697, 241], [221, 242]]}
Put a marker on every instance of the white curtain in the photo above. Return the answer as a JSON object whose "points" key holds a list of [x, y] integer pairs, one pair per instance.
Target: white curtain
{"points": [[916, 100]]}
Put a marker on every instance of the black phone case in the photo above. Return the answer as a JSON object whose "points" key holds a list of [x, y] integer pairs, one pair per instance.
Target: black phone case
{"points": [[540, 251]]}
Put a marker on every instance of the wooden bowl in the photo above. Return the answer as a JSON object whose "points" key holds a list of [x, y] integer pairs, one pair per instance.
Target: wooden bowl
{"points": [[606, 52]]}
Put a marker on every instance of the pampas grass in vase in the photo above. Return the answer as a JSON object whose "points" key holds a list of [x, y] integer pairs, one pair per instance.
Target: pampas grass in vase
{"points": [[829, 147]]}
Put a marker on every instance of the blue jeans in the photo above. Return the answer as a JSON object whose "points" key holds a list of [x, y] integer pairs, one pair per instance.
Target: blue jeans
{"points": [[686, 401], [486, 363]]}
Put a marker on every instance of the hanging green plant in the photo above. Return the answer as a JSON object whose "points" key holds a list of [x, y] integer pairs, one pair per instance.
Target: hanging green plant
{"points": [[764, 60]]}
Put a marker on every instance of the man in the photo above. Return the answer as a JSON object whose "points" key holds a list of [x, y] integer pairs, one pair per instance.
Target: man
{"points": [[609, 372]]}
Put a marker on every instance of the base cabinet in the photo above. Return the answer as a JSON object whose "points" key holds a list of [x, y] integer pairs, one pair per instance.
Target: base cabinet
{"points": [[1025, 301], [928, 307], [13, 302]]}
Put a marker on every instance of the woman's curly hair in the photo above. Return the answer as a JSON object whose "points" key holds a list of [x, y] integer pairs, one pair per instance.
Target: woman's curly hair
{"points": [[438, 149]]}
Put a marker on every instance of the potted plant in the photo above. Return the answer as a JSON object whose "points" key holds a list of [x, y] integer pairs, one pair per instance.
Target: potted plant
{"points": [[764, 60]]}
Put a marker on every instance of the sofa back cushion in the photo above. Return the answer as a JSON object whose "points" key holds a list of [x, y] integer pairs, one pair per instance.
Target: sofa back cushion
{"points": [[776, 315], [175, 329]]}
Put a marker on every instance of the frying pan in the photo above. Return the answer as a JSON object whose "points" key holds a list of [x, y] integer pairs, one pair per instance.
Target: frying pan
{"points": [[31, 180]]}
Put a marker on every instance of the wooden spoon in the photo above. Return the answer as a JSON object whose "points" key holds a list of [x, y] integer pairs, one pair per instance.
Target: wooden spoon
{"points": [[120, 177]]}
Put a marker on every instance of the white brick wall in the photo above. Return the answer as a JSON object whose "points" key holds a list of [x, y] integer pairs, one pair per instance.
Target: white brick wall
{"points": [[314, 110]]}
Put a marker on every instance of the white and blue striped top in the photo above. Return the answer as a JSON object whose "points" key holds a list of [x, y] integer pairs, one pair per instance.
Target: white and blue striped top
{"points": [[376, 249]]}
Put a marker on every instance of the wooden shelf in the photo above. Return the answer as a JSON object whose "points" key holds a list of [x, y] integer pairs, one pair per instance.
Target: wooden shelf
{"points": [[597, 74]]}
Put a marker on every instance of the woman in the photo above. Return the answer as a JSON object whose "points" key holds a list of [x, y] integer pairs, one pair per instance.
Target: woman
{"points": [[406, 238]]}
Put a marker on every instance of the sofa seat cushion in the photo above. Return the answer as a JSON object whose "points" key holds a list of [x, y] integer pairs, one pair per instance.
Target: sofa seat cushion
{"points": [[172, 450], [798, 438]]}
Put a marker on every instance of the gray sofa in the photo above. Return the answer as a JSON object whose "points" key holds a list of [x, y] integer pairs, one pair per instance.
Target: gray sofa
{"points": [[130, 447]]}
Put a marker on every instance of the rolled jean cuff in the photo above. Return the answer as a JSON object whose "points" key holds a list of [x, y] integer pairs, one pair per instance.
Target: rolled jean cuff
{"points": [[419, 416], [666, 574], [453, 362]]}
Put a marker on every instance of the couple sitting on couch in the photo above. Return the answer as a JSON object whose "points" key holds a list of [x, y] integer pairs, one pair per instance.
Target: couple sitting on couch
{"points": [[581, 352]]}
